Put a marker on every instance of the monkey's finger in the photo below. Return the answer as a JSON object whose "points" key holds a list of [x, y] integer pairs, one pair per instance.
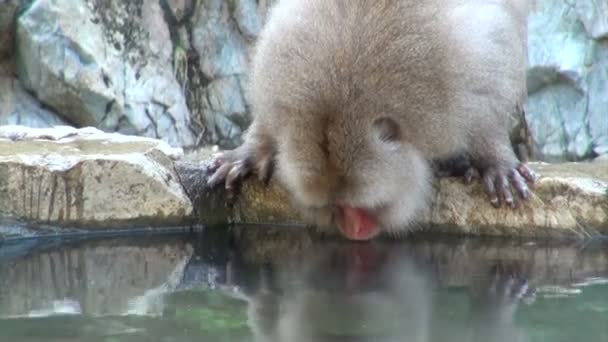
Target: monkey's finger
{"points": [[488, 183], [219, 175], [519, 183], [217, 159], [527, 172], [264, 168], [470, 174], [237, 171], [504, 189]]}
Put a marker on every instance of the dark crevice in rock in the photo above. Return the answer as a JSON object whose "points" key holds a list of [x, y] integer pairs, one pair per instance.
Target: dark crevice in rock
{"points": [[152, 123], [108, 109], [24, 6], [235, 22], [590, 153], [106, 79], [172, 22], [48, 107], [539, 77], [194, 82], [123, 121], [196, 91]]}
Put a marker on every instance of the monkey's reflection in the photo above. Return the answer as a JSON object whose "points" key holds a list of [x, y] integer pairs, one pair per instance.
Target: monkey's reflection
{"points": [[372, 292]]}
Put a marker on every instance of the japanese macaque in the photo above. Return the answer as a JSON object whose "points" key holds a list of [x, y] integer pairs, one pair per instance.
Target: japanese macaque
{"points": [[352, 100]]}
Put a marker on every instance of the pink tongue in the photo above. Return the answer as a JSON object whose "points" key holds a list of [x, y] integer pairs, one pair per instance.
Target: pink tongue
{"points": [[356, 223]]}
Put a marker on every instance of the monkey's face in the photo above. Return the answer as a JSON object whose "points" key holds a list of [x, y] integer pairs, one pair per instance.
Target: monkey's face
{"points": [[362, 179]]}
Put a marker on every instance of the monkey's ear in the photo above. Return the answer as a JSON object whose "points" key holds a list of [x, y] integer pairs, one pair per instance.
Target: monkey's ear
{"points": [[386, 129]]}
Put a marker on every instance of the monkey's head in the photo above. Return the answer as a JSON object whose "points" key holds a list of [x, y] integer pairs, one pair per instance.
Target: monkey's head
{"points": [[358, 174]]}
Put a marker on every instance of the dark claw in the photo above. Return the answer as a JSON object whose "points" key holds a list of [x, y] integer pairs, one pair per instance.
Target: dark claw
{"points": [[498, 182], [488, 182], [469, 175], [519, 184], [219, 175], [216, 162], [231, 167], [505, 190], [264, 168], [237, 170], [526, 172]]}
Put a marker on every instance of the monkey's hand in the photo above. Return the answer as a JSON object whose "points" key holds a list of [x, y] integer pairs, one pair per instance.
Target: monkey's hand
{"points": [[230, 167], [497, 297], [498, 181]]}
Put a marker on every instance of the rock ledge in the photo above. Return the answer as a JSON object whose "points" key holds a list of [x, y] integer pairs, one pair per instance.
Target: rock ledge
{"points": [[88, 179], [570, 199]]}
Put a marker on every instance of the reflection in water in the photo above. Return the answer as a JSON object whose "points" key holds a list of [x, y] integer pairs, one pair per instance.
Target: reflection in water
{"points": [[379, 292], [287, 286], [93, 278], [356, 290]]}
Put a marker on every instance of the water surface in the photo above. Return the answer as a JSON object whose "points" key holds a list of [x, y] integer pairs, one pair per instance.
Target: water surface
{"points": [[266, 284]]}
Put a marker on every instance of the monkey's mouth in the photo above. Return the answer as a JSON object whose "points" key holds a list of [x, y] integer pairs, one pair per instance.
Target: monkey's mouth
{"points": [[356, 223]]}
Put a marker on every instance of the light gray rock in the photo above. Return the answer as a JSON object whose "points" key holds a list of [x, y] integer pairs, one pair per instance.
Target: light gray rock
{"points": [[104, 64], [223, 33], [597, 84], [18, 107], [90, 179], [594, 15], [568, 78]]}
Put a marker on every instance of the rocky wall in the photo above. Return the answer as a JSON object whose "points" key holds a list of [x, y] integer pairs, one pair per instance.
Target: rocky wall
{"points": [[568, 78], [176, 69]]}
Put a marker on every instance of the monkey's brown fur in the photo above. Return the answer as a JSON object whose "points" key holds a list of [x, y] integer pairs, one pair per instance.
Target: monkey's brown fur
{"points": [[352, 98]]}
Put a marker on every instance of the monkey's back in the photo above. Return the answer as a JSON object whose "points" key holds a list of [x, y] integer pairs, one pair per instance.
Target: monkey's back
{"points": [[441, 68]]}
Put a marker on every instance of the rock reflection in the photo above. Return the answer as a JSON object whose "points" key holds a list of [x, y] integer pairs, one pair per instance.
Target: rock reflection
{"points": [[108, 277]]}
